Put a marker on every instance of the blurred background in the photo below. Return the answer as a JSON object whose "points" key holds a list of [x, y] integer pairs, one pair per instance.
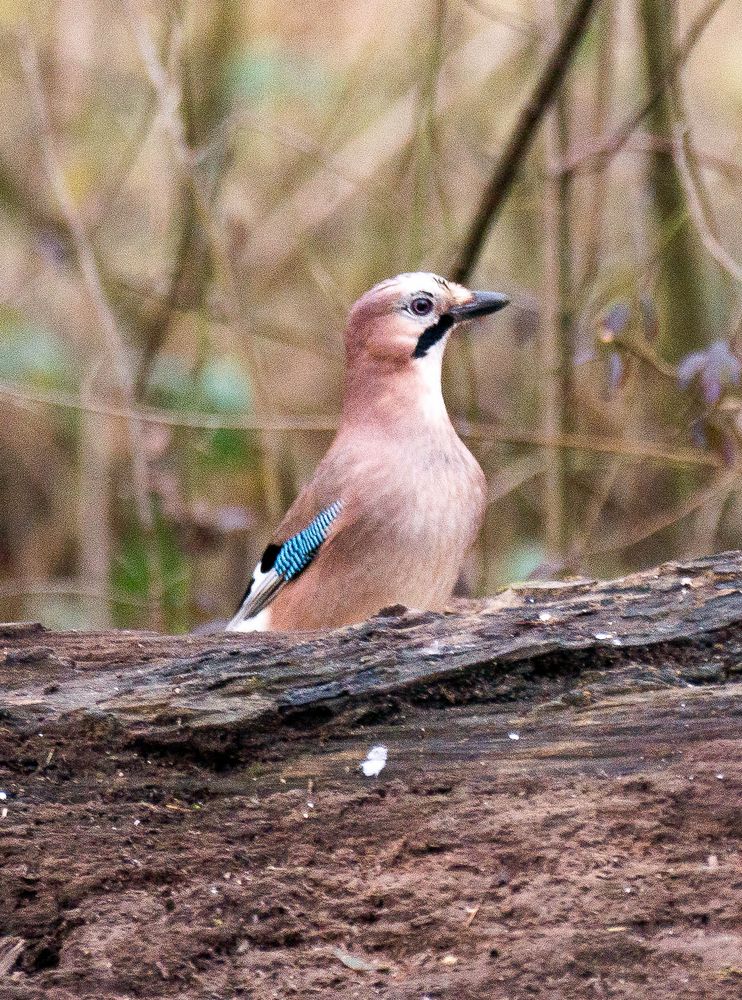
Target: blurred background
{"points": [[192, 194]]}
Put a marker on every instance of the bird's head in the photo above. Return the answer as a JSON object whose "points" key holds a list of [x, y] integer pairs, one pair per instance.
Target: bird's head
{"points": [[407, 319]]}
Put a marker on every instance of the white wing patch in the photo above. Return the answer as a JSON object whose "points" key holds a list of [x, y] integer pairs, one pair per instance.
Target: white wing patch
{"points": [[263, 588], [261, 622]]}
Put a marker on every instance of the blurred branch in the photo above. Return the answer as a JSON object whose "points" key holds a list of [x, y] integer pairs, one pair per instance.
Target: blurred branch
{"points": [[555, 333], [504, 15], [680, 287], [707, 524], [602, 87], [590, 442], [169, 99], [427, 142], [695, 206], [94, 512], [25, 398], [728, 167], [722, 485], [152, 415], [204, 107], [112, 340], [22, 203], [64, 588], [641, 350], [608, 146], [157, 324], [276, 239], [522, 136], [265, 325], [83, 251], [510, 478]]}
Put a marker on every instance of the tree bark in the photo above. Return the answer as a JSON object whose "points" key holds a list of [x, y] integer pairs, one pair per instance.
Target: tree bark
{"points": [[559, 814], [241, 692]]}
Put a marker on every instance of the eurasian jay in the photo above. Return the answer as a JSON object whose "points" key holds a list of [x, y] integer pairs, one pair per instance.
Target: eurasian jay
{"points": [[398, 500]]}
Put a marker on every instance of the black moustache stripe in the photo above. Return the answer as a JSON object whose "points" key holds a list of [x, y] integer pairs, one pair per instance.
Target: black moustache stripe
{"points": [[432, 335]]}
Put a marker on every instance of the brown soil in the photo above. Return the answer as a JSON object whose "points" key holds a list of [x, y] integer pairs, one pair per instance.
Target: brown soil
{"points": [[596, 856]]}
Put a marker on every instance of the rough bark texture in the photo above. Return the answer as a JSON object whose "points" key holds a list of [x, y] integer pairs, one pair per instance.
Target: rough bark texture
{"points": [[559, 816]]}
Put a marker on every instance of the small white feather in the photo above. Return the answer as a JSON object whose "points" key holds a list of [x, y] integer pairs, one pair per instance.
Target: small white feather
{"points": [[375, 761]]}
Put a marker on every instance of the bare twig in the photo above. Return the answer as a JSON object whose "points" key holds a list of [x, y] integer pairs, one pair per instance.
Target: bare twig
{"points": [[169, 98], [695, 207], [510, 478], [641, 350], [706, 526], [522, 136], [113, 343], [94, 513], [551, 358], [25, 398], [59, 587], [591, 442], [505, 15], [426, 138], [609, 145], [725, 165], [43, 221], [602, 93], [319, 196], [555, 335], [112, 340], [722, 485]]}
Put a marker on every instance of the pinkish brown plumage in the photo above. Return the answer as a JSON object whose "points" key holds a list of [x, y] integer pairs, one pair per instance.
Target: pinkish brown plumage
{"points": [[398, 500]]}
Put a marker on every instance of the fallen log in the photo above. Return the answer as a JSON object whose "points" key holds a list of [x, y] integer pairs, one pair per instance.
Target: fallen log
{"points": [[560, 808]]}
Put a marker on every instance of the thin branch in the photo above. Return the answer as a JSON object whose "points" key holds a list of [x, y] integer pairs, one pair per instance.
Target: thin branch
{"points": [[695, 207], [166, 418], [507, 16], [112, 340], [522, 136], [726, 482], [113, 343], [510, 478], [644, 142], [280, 234], [25, 398], [603, 86], [609, 145], [64, 588], [729, 168], [641, 350], [590, 442], [169, 98]]}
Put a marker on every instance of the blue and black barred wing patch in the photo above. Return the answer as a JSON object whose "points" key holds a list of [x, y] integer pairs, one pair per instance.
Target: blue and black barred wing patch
{"points": [[297, 552], [282, 563]]}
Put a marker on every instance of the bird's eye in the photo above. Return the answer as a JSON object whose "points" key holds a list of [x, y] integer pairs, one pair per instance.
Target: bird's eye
{"points": [[421, 305]]}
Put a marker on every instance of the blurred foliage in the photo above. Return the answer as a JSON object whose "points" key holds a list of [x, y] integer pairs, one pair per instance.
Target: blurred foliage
{"points": [[329, 146]]}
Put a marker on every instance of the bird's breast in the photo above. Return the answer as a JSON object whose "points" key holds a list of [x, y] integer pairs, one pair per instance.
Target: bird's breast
{"points": [[418, 507]]}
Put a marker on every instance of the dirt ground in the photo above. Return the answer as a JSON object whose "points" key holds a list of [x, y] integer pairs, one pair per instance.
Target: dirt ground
{"points": [[571, 862]]}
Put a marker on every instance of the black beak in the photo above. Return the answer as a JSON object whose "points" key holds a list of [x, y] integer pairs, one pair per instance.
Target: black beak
{"points": [[480, 304]]}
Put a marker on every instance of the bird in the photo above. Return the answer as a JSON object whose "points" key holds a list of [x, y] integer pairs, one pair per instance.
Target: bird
{"points": [[398, 500]]}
